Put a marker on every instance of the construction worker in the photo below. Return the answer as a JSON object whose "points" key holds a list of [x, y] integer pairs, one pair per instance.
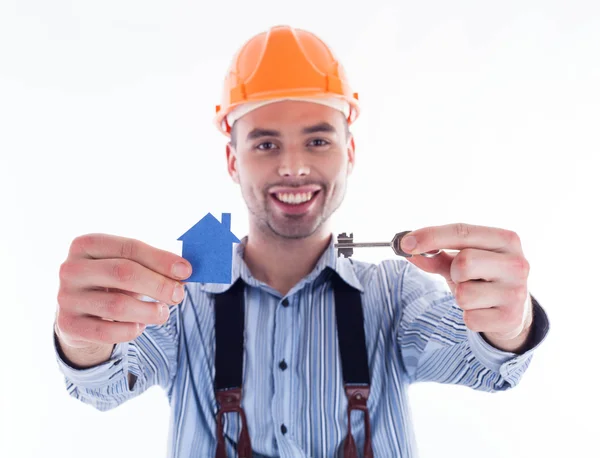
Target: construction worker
{"points": [[304, 354]]}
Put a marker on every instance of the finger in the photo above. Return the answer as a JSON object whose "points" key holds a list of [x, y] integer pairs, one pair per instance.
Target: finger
{"points": [[474, 264], [438, 265], [496, 319], [115, 306], [460, 236], [472, 295], [103, 246], [121, 274], [78, 329]]}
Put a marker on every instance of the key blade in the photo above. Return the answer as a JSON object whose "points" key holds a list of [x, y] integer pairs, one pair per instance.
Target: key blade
{"points": [[363, 245]]}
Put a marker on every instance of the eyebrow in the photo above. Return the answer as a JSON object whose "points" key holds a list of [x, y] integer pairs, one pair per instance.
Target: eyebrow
{"points": [[320, 127]]}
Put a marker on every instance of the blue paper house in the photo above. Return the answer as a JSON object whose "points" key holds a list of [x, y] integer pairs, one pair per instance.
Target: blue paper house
{"points": [[207, 245]]}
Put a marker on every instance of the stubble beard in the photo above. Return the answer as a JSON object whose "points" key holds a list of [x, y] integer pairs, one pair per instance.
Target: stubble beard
{"points": [[273, 224]]}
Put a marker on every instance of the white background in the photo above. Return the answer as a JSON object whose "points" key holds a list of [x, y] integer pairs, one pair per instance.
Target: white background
{"points": [[480, 112]]}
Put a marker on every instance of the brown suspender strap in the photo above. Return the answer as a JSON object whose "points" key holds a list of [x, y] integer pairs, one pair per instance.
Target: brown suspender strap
{"points": [[357, 400], [231, 401]]}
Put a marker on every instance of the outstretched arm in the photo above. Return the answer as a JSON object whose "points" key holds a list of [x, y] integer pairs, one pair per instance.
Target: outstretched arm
{"points": [[436, 345]]}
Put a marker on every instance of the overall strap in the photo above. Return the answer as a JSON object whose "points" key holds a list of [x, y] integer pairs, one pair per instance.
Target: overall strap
{"points": [[229, 364], [355, 367]]}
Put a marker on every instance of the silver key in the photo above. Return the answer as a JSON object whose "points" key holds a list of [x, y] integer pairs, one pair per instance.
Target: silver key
{"points": [[346, 243]]}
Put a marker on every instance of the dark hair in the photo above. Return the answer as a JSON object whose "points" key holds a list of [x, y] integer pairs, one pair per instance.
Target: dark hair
{"points": [[233, 132]]}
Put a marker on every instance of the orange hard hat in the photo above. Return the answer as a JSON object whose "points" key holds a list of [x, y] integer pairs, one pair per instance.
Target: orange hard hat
{"points": [[284, 63]]}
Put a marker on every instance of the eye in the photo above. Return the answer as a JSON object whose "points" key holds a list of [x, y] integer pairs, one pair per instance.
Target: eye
{"points": [[265, 143], [323, 142]]}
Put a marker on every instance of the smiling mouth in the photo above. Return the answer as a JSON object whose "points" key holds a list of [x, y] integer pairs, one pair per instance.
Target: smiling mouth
{"points": [[295, 198]]}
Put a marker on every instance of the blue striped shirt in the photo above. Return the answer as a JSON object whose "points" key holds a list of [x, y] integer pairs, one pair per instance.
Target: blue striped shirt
{"points": [[414, 333]]}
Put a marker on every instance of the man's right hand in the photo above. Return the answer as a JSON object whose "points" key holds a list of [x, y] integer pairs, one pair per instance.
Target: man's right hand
{"points": [[102, 282]]}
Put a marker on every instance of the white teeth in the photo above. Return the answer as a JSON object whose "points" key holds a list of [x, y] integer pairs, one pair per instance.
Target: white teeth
{"points": [[289, 198]]}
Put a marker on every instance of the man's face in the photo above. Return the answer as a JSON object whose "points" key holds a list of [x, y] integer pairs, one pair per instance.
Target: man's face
{"points": [[291, 160]]}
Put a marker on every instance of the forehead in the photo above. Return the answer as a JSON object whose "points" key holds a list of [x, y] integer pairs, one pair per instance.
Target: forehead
{"points": [[290, 116]]}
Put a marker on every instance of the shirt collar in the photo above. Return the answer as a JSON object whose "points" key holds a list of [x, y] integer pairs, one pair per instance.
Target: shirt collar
{"points": [[329, 261]]}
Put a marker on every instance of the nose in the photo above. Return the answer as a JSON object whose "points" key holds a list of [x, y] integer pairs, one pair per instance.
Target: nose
{"points": [[293, 164]]}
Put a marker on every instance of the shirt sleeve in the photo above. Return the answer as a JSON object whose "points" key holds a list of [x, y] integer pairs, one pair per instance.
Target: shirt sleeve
{"points": [[436, 346], [151, 359]]}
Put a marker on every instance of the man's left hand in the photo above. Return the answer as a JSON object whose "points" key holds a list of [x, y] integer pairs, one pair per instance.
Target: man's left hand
{"points": [[488, 277]]}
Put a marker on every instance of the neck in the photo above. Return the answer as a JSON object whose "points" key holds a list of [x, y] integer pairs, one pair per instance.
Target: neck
{"points": [[280, 262]]}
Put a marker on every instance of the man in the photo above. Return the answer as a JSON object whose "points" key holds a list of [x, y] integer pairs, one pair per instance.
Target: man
{"points": [[276, 363]]}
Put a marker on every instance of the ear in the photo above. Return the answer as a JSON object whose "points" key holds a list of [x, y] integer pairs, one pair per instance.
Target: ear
{"points": [[232, 163], [351, 154]]}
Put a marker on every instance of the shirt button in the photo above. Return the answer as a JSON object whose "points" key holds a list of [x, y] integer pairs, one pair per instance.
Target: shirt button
{"points": [[283, 429], [285, 302], [282, 365]]}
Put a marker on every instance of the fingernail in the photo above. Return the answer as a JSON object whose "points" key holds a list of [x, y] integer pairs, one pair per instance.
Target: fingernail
{"points": [[409, 243], [177, 293], [181, 270]]}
